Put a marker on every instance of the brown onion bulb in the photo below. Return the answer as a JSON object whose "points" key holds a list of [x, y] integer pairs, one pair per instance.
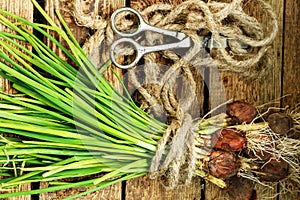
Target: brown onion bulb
{"points": [[280, 123], [229, 140], [243, 111], [273, 171], [223, 164]]}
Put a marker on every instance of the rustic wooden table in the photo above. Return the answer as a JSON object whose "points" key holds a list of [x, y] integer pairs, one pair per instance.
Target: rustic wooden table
{"points": [[282, 79]]}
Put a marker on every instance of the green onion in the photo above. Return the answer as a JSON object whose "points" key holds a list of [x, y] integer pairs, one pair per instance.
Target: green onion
{"points": [[73, 123]]}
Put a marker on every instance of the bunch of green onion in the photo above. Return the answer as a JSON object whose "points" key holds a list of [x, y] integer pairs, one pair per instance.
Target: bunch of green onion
{"points": [[68, 123]]}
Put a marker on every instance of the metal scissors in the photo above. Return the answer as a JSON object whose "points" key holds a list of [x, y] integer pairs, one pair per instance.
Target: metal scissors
{"points": [[184, 40]]}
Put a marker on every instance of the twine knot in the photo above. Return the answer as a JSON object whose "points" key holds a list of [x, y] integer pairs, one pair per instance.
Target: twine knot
{"points": [[170, 159]]}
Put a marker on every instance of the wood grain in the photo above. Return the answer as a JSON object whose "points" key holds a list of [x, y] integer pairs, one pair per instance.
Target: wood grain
{"points": [[257, 92], [145, 189], [291, 72], [23, 8]]}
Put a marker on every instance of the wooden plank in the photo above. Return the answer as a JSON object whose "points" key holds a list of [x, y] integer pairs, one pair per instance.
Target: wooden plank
{"points": [[23, 8], [257, 92], [144, 188], [291, 67], [82, 34]]}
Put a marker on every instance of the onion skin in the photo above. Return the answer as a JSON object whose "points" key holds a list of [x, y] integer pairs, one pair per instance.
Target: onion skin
{"points": [[229, 140], [280, 123], [273, 171], [242, 111], [223, 164]]}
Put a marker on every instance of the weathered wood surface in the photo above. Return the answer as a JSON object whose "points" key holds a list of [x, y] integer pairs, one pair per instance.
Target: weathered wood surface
{"points": [[291, 62], [282, 79], [144, 189]]}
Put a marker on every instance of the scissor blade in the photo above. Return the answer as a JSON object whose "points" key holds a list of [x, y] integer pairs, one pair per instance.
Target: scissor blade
{"points": [[180, 35], [210, 43]]}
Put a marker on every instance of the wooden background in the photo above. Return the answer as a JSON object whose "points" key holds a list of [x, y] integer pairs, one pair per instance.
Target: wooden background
{"points": [[282, 79]]}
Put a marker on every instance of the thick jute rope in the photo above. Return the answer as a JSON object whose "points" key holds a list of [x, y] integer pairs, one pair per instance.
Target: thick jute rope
{"points": [[176, 153]]}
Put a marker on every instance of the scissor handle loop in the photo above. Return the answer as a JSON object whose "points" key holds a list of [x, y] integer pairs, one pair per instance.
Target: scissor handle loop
{"points": [[141, 25], [139, 50]]}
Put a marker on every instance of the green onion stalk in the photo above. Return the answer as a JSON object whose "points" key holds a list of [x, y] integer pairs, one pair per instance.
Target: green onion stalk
{"points": [[72, 123]]}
